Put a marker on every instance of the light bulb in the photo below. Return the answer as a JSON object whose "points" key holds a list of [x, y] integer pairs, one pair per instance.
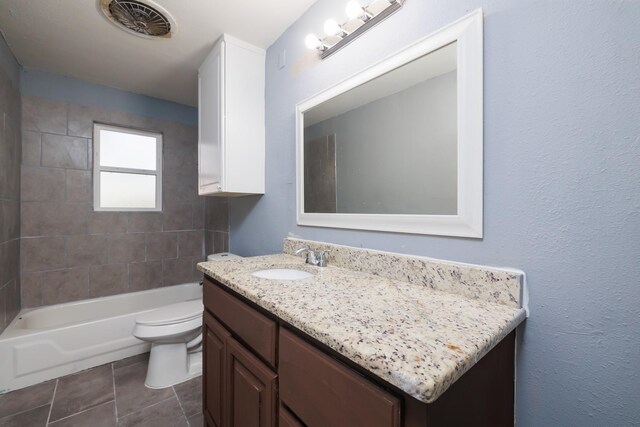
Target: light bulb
{"points": [[312, 41], [331, 28], [354, 10]]}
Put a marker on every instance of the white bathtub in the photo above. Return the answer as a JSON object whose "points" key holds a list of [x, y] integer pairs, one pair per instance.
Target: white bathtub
{"points": [[48, 342]]}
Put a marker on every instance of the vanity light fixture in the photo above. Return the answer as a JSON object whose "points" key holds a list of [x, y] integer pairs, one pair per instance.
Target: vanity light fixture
{"points": [[360, 19], [313, 42], [355, 11], [332, 28]]}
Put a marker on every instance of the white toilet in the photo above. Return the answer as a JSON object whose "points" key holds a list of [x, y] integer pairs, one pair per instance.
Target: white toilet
{"points": [[175, 334]]}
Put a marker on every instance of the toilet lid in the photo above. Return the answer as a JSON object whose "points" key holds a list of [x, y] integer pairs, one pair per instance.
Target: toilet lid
{"points": [[174, 313]]}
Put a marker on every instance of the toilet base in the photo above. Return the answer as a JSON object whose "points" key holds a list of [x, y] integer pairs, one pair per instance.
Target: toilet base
{"points": [[171, 364]]}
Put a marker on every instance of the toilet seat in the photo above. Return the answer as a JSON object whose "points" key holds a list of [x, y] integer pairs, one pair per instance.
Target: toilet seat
{"points": [[172, 314]]}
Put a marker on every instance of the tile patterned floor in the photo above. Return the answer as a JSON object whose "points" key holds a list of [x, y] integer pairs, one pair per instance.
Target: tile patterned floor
{"points": [[107, 395]]}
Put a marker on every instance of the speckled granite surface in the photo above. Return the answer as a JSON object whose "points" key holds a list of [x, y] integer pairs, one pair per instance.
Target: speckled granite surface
{"points": [[419, 339], [489, 284]]}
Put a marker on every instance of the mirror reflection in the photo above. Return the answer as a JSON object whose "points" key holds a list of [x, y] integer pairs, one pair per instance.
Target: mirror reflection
{"points": [[388, 146]]}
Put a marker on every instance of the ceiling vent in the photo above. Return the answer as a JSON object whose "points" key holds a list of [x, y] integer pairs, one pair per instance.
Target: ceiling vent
{"points": [[142, 19]]}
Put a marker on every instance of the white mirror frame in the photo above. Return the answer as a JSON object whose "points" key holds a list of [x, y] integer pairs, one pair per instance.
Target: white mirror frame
{"points": [[467, 31]]}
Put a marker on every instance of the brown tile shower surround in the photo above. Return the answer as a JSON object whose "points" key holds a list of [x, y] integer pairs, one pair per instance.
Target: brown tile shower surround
{"points": [[68, 251], [10, 153], [107, 395]]}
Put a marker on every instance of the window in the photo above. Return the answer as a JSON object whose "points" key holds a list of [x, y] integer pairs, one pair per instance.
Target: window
{"points": [[127, 169]]}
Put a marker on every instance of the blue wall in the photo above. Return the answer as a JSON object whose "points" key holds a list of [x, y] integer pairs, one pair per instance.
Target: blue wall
{"points": [[54, 86], [562, 184]]}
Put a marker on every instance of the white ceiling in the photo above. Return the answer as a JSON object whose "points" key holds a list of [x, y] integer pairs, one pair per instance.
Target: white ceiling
{"points": [[73, 38]]}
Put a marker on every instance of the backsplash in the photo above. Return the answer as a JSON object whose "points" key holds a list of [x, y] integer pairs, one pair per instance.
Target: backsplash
{"points": [[70, 252], [472, 281], [10, 152]]}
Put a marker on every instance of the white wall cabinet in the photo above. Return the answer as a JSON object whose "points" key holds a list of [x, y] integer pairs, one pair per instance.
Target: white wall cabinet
{"points": [[231, 120]]}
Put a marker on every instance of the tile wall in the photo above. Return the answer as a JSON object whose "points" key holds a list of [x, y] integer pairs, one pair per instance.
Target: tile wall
{"points": [[70, 252], [216, 233], [10, 152]]}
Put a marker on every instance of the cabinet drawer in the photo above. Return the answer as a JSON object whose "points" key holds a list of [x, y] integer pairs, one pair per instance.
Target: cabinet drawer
{"points": [[256, 330], [323, 392]]}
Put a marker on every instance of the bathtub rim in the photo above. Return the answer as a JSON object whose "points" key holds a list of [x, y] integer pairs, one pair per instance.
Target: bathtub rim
{"points": [[13, 329]]}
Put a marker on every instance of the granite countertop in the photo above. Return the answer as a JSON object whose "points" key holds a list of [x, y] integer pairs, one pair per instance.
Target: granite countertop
{"points": [[419, 339]]}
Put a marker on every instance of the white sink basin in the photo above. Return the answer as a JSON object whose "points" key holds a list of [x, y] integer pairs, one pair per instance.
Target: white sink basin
{"points": [[282, 274]]}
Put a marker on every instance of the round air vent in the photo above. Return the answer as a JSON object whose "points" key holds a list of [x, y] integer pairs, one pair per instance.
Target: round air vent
{"points": [[142, 19]]}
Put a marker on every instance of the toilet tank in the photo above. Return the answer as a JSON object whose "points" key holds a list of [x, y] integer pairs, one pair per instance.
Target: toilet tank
{"points": [[222, 256]]}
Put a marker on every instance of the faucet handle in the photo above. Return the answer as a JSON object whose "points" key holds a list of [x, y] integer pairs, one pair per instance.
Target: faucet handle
{"points": [[321, 258], [310, 255], [302, 250]]}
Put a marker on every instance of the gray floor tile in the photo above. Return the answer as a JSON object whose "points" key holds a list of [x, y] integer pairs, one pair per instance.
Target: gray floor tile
{"points": [[32, 418], [26, 398], [82, 391], [166, 413], [196, 420], [190, 396], [131, 393], [131, 360], [87, 399], [100, 416]]}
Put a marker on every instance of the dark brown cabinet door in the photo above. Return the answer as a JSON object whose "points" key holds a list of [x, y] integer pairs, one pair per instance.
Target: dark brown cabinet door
{"points": [[251, 392], [213, 392]]}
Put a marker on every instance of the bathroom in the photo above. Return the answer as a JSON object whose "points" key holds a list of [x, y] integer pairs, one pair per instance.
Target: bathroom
{"points": [[553, 155]]}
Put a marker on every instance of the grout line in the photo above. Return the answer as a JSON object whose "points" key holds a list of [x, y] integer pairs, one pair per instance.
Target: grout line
{"points": [[55, 389], [180, 404], [83, 411], [40, 289], [137, 410], [66, 110], [66, 252], [39, 160], [66, 180], [20, 412], [128, 284], [113, 380]]}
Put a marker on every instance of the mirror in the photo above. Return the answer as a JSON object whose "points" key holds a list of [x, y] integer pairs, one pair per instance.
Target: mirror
{"points": [[398, 147], [387, 146]]}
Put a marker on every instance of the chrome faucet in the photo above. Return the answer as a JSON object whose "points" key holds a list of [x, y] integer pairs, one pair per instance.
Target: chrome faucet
{"points": [[317, 258]]}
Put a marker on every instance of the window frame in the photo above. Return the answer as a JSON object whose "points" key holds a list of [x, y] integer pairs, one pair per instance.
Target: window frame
{"points": [[97, 168]]}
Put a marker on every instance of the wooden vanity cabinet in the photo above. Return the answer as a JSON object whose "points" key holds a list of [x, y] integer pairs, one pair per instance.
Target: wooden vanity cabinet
{"points": [[256, 330], [251, 389], [323, 392], [259, 371], [239, 389], [214, 359], [287, 419]]}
